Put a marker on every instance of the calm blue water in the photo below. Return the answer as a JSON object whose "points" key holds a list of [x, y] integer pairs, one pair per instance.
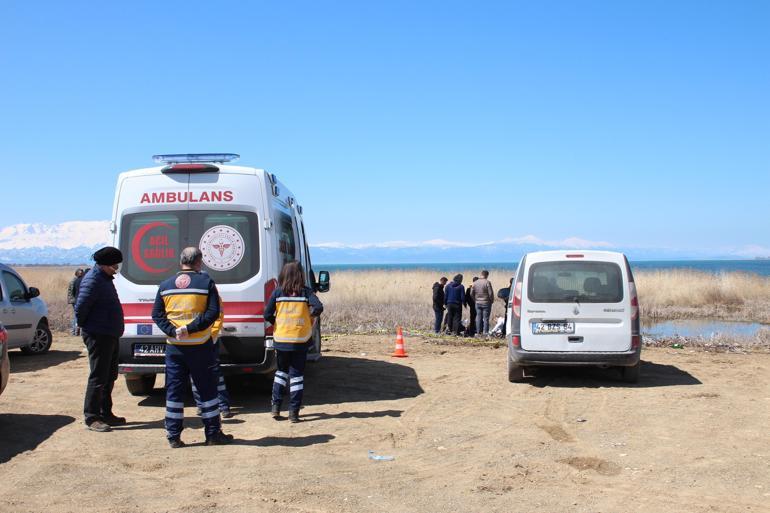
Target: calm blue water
{"points": [[761, 267], [701, 328]]}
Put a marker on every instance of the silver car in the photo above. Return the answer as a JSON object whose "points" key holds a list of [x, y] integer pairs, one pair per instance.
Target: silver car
{"points": [[23, 313], [5, 366]]}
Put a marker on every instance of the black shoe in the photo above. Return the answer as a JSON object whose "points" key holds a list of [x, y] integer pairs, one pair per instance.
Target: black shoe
{"points": [[294, 416], [226, 414], [112, 420], [175, 443], [219, 438], [99, 426], [275, 411]]}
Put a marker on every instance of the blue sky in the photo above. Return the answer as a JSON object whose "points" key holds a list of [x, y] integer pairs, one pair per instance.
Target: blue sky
{"points": [[637, 123]]}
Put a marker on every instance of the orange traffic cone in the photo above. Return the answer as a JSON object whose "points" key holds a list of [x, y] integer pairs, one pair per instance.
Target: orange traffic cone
{"points": [[399, 352]]}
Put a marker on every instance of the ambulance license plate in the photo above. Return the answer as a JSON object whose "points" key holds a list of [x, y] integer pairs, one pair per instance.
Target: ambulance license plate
{"points": [[553, 328], [149, 350]]}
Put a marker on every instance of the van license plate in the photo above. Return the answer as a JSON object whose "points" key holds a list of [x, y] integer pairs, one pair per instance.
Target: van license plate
{"points": [[550, 328], [149, 350]]}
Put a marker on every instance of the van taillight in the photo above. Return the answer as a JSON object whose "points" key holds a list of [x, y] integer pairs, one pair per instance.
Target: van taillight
{"points": [[634, 301], [270, 286], [635, 341], [516, 303], [516, 341]]}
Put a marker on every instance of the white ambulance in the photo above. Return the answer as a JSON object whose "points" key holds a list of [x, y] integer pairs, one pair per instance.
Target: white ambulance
{"points": [[246, 223]]}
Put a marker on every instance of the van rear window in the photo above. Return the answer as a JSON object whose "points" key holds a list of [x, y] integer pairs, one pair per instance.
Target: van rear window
{"points": [[152, 242], [586, 282]]}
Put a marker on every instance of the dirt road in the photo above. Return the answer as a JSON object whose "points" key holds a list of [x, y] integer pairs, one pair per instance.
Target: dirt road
{"points": [[692, 436]]}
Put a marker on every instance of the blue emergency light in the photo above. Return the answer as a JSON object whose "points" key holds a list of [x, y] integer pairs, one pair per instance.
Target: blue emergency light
{"points": [[188, 158]]}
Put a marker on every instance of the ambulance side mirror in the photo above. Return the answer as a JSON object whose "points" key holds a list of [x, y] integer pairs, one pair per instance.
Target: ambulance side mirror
{"points": [[323, 282]]}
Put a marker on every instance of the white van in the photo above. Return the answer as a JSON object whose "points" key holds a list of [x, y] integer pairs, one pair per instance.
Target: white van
{"points": [[246, 223], [573, 308]]}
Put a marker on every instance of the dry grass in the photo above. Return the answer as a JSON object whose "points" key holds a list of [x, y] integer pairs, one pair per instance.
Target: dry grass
{"points": [[689, 294], [380, 300]]}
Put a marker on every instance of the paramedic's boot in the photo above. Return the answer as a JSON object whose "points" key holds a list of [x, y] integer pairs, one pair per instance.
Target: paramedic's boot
{"points": [[275, 411], [294, 416], [175, 443], [219, 438]]}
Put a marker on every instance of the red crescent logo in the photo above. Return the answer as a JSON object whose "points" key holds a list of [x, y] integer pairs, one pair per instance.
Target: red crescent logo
{"points": [[136, 247]]}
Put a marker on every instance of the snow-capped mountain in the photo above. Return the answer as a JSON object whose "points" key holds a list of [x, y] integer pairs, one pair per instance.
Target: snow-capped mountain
{"points": [[72, 242]]}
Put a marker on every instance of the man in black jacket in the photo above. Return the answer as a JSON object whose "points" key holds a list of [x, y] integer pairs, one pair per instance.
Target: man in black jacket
{"points": [[438, 303], [470, 331], [100, 318]]}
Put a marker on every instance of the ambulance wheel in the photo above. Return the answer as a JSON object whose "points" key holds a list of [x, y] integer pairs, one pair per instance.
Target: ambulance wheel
{"points": [[140, 384], [630, 374], [515, 372]]}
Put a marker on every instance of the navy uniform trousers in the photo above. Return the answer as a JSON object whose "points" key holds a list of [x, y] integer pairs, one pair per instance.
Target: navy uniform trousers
{"points": [[222, 395], [290, 373], [196, 362]]}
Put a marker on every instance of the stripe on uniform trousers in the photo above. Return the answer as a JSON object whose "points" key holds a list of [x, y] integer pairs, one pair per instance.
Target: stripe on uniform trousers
{"points": [[174, 410], [221, 387], [209, 408], [297, 383], [280, 378]]}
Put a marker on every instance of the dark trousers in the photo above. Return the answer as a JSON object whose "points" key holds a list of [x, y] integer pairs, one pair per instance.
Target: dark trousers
{"points": [[454, 313], [439, 317], [182, 363], [222, 395], [103, 362], [291, 374]]}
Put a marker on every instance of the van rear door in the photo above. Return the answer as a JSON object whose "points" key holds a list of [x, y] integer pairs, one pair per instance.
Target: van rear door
{"points": [[576, 306]]}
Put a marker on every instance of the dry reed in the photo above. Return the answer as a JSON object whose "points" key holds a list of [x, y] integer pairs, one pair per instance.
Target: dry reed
{"points": [[380, 300]]}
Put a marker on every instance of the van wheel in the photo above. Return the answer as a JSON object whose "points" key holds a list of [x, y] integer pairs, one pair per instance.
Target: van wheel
{"points": [[630, 374], [140, 384], [515, 372], [41, 341]]}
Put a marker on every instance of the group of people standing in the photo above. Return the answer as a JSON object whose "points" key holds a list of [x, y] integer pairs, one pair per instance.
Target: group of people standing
{"points": [[450, 298], [189, 311]]}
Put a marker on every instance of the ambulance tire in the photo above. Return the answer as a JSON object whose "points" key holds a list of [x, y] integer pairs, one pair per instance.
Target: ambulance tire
{"points": [[140, 384]]}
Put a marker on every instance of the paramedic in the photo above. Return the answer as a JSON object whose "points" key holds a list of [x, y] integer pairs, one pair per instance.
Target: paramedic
{"points": [[186, 307], [292, 310], [100, 318], [222, 394]]}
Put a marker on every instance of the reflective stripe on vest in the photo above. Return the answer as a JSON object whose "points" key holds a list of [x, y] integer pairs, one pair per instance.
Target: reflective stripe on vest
{"points": [[292, 320]]}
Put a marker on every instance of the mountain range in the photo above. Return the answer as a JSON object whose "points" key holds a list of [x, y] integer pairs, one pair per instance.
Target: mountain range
{"points": [[74, 242]]}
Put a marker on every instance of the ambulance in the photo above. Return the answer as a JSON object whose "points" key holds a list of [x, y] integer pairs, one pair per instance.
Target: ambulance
{"points": [[247, 224]]}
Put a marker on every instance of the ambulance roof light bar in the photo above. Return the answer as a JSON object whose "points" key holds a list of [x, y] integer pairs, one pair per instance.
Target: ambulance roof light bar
{"points": [[189, 158]]}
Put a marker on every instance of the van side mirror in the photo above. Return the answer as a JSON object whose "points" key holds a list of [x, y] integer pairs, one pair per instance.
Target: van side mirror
{"points": [[323, 284], [32, 292]]}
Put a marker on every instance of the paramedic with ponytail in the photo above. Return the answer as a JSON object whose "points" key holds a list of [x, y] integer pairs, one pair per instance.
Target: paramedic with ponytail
{"points": [[292, 309], [186, 307]]}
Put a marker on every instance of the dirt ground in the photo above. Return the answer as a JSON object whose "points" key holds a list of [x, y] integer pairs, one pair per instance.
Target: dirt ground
{"points": [[692, 436]]}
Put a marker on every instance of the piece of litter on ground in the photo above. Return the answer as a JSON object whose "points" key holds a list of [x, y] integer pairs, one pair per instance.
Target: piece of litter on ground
{"points": [[377, 457], [441, 448], [623, 454], [580, 419], [363, 354]]}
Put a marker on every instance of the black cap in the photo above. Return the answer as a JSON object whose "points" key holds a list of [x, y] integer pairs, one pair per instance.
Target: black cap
{"points": [[108, 256]]}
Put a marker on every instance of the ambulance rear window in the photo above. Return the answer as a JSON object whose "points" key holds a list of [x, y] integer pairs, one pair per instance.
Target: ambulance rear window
{"points": [[152, 242]]}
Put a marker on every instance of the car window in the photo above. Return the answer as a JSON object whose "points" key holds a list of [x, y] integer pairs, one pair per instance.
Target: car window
{"points": [[287, 248], [153, 241], [229, 241], [17, 291], [586, 282]]}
